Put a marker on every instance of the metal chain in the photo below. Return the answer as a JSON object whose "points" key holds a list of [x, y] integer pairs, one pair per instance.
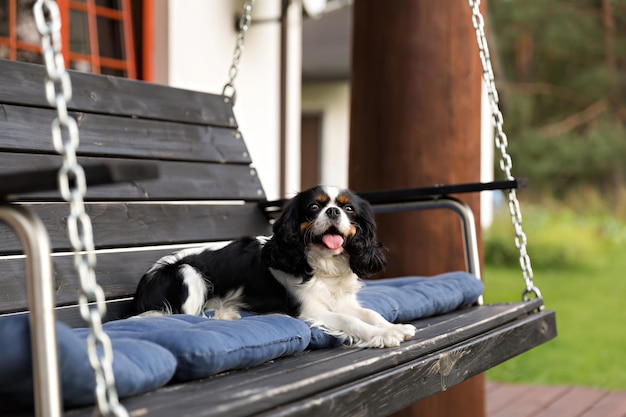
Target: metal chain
{"points": [[229, 92], [501, 142], [73, 186]]}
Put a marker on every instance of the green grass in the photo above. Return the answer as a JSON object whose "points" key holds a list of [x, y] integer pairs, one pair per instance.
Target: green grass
{"points": [[590, 304]]}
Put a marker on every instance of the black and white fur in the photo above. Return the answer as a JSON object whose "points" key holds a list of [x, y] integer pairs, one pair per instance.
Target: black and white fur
{"points": [[323, 242]]}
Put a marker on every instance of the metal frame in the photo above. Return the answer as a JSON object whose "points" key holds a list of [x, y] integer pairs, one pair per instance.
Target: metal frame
{"points": [[468, 225], [39, 285]]}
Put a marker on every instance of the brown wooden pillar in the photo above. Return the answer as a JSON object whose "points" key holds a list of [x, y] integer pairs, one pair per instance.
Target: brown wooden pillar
{"points": [[415, 122]]}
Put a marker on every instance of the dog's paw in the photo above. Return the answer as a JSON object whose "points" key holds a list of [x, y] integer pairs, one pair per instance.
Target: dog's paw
{"points": [[385, 338], [226, 314], [406, 330], [391, 339], [391, 336]]}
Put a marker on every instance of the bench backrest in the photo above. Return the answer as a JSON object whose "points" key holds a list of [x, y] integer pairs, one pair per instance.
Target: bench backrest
{"points": [[207, 190]]}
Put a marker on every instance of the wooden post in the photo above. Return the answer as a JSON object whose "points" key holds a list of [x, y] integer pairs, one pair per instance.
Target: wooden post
{"points": [[416, 122]]}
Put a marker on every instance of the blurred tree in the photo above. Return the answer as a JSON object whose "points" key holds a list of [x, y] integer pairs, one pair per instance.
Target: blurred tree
{"points": [[561, 67]]}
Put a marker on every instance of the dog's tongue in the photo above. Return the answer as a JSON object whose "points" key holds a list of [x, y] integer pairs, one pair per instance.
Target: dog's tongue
{"points": [[332, 241]]}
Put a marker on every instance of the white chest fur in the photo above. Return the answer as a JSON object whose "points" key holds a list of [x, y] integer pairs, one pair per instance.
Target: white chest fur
{"points": [[329, 301], [333, 286]]}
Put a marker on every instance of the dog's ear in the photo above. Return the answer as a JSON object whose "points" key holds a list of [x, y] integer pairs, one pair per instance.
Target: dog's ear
{"points": [[285, 251], [367, 255]]}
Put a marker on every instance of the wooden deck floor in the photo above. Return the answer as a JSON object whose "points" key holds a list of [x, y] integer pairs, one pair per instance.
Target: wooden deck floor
{"points": [[506, 400]]}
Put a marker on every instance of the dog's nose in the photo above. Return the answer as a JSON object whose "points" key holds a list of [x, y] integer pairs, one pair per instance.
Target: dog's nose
{"points": [[332, 212]]}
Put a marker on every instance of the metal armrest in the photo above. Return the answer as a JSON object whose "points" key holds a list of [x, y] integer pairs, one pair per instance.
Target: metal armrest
{"points": [[468, 224], [437, 197], [39, 284]]}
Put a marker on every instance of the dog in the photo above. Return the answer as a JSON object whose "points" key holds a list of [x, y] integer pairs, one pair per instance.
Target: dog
{"points": [[310, 268]]}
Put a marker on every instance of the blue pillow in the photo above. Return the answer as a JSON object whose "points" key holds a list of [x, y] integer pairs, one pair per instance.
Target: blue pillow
{"points": [[410, 298], [204, 347], [139, 366], [150, 351]]}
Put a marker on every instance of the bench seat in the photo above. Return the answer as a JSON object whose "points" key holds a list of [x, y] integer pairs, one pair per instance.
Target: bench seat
{"points": [[207, 191], [446, 350]]}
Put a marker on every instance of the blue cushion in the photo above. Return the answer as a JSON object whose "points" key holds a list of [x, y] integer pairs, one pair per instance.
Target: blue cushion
{"points": [[204, 347], [410, 298], [139, 366], [149, 352]]}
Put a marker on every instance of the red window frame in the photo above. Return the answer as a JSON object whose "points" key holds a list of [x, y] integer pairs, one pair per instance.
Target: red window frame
{"points": [[93, 12]]}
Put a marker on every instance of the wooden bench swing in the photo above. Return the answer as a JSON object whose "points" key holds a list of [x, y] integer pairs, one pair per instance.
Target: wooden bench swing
{"points": [[168, 169]]}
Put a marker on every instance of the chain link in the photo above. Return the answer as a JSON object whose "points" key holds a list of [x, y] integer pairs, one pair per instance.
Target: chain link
{"points": [[73, 186], [230, 92], [501, 142]]}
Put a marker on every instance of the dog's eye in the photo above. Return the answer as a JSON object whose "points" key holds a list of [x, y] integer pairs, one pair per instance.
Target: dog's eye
{"points": [[314, 207], [348, 208]]}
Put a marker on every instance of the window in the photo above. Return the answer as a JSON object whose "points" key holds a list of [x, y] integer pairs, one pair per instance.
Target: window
{"points": [[97, 34], [18, 34]]}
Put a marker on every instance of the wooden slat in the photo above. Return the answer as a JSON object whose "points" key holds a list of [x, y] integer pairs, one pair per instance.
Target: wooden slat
{"points": [[397, 388], [177, 180], [572, 402], [25, 182], [515, 401], [532, 400], [22, 84], [130, 224], [118, 273], [347, 382], [116, 309], [70, 315], [28, 129], [506, 395], [612, 405]]}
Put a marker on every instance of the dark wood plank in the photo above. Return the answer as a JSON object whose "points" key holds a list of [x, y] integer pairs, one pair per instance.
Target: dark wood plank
{"points": [[28, 129], [95, 174], [136, 224], [70, 315], [177, 181], [116, 309], [117, 272], [394, 389], [22, 84], [356, 382]]}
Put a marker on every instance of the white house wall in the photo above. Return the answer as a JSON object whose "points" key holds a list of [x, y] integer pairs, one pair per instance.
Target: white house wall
{"points": [[293, 98], [332, 101], [194, 44]]}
